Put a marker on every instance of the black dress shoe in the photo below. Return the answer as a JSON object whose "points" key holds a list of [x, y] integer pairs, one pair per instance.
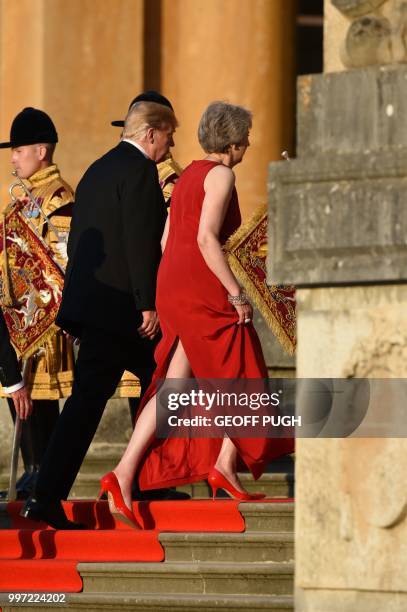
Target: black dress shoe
{"points": [[51, 513]]}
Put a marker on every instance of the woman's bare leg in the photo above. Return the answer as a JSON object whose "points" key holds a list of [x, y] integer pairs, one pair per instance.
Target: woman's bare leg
{"points": [[144, 429], [226, 463]]}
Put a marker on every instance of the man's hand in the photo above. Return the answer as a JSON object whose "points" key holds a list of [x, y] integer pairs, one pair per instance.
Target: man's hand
{"points": [[150, 326], [22, 402]]}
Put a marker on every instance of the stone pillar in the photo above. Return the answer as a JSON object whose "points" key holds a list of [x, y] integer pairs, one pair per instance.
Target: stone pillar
{"points": [[340, 227], [236, 50], [81, 62]]}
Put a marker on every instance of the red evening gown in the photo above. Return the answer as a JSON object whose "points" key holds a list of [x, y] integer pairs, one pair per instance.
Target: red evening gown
{"points": [[192, 305]]}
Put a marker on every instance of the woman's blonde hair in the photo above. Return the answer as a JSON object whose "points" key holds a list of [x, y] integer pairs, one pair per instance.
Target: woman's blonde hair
{"points": [[144, 115], [223, 125]]}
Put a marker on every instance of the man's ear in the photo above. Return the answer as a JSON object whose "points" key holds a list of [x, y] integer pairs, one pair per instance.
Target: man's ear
{"points": [[150, 135], [42, 152]]}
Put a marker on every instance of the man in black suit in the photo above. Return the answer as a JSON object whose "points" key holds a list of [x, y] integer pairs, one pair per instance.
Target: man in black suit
{"points": [[109, 293], [168, 172], [10, 375]]}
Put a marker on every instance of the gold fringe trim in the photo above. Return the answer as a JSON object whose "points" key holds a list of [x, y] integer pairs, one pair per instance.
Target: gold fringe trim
{"points": [[52, 329], [7, 298], [232, 243], [246, 228]]}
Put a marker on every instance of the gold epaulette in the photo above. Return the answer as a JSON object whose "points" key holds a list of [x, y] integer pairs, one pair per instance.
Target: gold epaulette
{"points": [[48, 185]]}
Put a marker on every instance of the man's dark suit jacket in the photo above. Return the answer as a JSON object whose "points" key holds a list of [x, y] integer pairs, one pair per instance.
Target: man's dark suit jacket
{"points": [[114, 244], [10, 373]]}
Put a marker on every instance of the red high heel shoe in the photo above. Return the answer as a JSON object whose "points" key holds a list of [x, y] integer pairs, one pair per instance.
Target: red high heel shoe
{"points": [[110, 485], [217, 481]]}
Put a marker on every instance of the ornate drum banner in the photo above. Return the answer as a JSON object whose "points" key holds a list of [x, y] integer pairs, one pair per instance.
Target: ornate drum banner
{"points": [[246, 251], [30, 285]]}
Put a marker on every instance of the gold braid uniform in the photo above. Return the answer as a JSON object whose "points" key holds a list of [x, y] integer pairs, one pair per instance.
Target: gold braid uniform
{"points": [[51, 371], [168, 172]]}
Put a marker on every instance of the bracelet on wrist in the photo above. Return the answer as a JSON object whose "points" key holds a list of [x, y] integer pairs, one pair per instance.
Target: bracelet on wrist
{"points": [[238, 300]]}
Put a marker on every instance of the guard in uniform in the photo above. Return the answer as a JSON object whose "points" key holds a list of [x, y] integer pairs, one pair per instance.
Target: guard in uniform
{"points": [[33, 138]]}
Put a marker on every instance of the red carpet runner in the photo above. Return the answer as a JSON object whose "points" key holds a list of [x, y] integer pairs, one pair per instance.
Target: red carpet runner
{"points": [[42, 559]]}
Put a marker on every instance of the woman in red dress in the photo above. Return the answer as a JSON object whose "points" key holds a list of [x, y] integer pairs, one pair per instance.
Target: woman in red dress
{"points": [[206, 322]]}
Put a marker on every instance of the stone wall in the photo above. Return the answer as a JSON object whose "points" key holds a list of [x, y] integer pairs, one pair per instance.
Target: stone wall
{"points": [[350, 525], [338, 215], [361, 33]]}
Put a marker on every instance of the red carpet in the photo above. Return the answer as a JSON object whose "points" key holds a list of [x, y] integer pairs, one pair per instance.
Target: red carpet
{"points": [[42, 559], [80, 545], [193, 515], [44, 575]]}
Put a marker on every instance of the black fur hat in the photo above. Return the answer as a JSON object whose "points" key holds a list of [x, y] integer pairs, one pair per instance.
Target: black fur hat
{"points": [[31, 126], [146, 96]]}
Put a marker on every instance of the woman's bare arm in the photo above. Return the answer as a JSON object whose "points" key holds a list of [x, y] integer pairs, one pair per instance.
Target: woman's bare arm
{"points": [[165, 233], [218, 187]]}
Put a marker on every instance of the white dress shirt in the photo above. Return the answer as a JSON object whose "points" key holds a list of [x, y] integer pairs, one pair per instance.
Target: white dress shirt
{"points": [[13, 388], [136, 144]]}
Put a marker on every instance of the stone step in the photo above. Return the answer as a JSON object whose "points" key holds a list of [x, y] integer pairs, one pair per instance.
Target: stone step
{"points": [[263, 516], [250, 546], [102, 458], [87, 486], [273, 485], [189, 578], [278, 481], [146, 602]]}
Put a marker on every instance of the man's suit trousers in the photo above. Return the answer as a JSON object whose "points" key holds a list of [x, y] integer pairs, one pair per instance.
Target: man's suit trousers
{"points": [[102, 359]]}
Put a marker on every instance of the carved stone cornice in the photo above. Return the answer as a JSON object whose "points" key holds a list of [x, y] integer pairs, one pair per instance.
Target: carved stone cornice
{"points": [[376, 32], [356, 8], [337, 212]]}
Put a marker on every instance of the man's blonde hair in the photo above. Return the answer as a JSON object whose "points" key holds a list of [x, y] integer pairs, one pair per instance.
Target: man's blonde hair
{"points": [[223, 125], [144, 115]]}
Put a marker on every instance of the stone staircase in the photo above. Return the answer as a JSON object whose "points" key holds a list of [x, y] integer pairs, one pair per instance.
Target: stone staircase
{"points": [[273, 484], [277, 482], [253, 570], [243, 572]]}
